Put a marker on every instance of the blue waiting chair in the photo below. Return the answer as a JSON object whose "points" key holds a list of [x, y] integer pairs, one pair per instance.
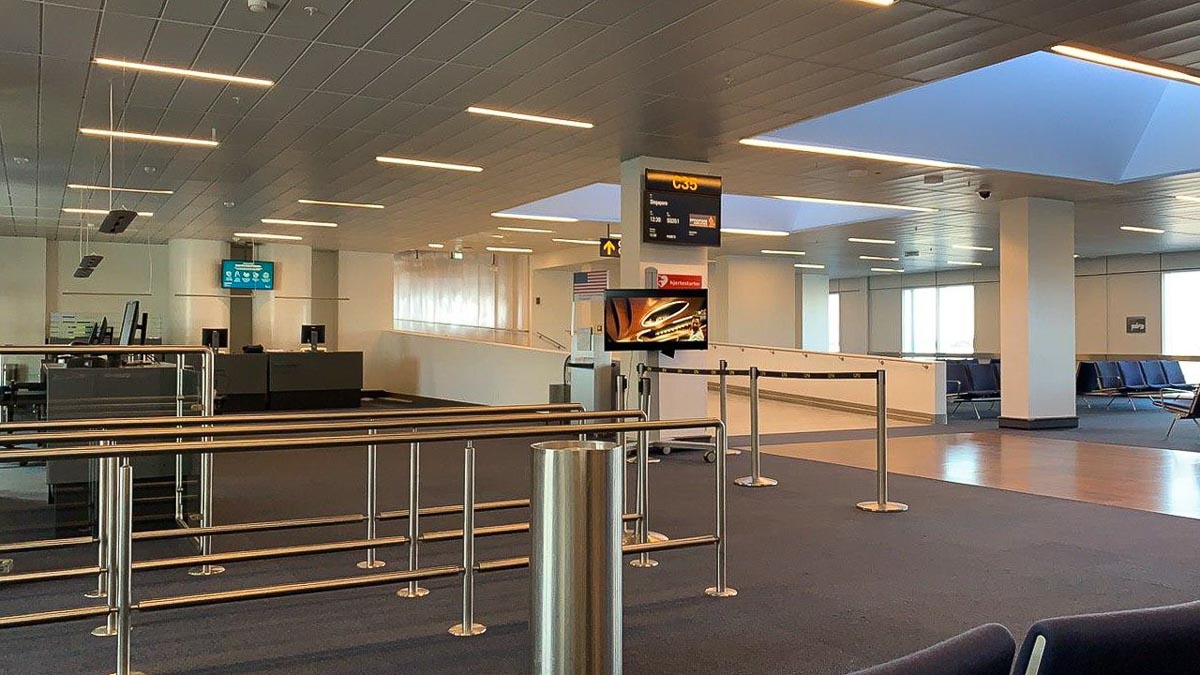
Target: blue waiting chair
{"points": [[1156, 641], [1175, 377], [983, 385], [986, 650], [956, 384], [1183, 406]]}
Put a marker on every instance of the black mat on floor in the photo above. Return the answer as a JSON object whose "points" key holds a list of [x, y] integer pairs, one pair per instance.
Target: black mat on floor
{"points": [[824, 588]]}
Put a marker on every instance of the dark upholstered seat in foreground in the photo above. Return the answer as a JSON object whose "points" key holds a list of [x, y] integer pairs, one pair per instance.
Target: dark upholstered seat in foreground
{"points": [[986, 650], [1156, 641]]}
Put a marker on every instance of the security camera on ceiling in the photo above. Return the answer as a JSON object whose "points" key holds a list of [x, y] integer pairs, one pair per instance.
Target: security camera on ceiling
{"points": [[258, 5]]}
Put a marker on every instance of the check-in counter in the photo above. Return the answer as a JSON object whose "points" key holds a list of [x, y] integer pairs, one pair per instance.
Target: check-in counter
{"points": [[309, 380]]}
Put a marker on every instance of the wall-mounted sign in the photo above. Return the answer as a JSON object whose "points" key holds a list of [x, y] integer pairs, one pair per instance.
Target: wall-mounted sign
{"points": [[1135, 325], [244, 274], [681, 209], [610, 248], [678, 281]]}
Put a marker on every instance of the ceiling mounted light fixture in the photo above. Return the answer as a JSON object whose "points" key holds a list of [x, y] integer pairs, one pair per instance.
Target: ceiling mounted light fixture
{"points": [[878, 257], [969, 247], [285, 221], [508, 249], [886, 269], [843, 202], [756, 233], [1146, 230], [527, 230], [269, 237], [436, 245], [861, 240], [587, 242], [548, 219], [153, 138], [428, 164], [879, 3], [809, 266], [530, 118], [777, 251], [1187, 198], [356, 205], [184, 72], [103, 212], [857, 154], [1124, 63], [967, 263], [79, 186]]}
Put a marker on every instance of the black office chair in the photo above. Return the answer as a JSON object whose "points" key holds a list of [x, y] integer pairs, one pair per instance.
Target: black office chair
{"points": [[1158, 641], [986, 650]]}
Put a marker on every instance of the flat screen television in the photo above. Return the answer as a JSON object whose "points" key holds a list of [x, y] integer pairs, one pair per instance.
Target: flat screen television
{"points": [[655, 320], [256, 275]]}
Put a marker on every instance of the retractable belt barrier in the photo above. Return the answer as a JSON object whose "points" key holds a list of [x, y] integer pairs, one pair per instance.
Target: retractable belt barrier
{"points": [[881, 504], [119, 610]]}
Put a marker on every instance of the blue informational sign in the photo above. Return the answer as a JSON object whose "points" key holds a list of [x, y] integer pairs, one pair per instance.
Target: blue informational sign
{"points": [[254, 276]]}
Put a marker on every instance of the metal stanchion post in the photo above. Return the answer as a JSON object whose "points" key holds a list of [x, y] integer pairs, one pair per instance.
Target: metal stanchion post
{"points": [[179, 363], [642, 489], [372, 503], [755, 479], [206, 510], [103, 501], [468, 627], [722, 589], [107, 513], [724, 397], [414, 589], [123, 533], [881, 503], [628, 536]]}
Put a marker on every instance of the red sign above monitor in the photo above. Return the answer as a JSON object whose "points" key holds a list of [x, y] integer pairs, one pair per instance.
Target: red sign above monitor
{"points": [[680, 281]]}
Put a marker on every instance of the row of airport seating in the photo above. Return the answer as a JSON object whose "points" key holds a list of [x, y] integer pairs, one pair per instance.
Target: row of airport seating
{"points": [[1130, 380], [1159, 640], [970, 382]]}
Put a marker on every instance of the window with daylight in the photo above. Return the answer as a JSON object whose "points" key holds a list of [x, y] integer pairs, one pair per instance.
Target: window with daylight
{"points": [[835, 326], [938, 320], [1181, 323]]}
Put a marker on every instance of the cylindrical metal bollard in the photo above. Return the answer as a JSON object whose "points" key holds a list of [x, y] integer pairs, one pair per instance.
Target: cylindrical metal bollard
{"points": [[575, 527], [755, 479], [881, 503], [372, 561], [414, 588]]}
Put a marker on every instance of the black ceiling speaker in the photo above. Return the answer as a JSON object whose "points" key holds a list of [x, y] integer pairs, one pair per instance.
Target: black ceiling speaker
{"points": [[117, 221], [91, 261], [84, 272]]}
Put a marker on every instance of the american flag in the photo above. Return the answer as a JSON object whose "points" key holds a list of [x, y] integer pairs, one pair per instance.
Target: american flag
{"points": [[590, 284]]}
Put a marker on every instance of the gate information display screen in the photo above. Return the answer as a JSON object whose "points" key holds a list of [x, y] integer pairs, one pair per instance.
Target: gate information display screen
{"points": [[243, 274], [681, 209]]}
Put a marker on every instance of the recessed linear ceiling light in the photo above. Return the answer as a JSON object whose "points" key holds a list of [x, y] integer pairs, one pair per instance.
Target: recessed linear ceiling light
{"points": [[284, 221], [968, 263], [809, 266], [757, 233], [271, 237], [156, 138], [885, 269], [184, 72], [969, 247], [436, 245], [878, 257], [1186, 198], [861, 240], [77, 186], [103, 212], [776, 251], [356, 205], [879, 3], [1124, 63], [589, 242], [548, 219], [843, 202], [428, 164], [529, 230], [530, 118], [1147, 230], [859, 154], [508, 249]]}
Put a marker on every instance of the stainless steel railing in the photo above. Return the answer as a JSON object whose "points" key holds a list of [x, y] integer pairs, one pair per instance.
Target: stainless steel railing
{"points": [[122, 607]]}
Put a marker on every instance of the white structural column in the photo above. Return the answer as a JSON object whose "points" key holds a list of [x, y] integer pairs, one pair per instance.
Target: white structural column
{"points": [[675, 395], [367, 282], [752, 301], [812, 312], [279, 314], [196, 300], [1037, 314]]}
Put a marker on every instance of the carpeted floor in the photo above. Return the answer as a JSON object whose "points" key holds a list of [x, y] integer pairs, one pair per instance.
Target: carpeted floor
{"points": [[823, 587]]}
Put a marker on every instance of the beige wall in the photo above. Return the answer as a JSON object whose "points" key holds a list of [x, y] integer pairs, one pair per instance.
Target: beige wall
{"points": [[325, 303], [128, 272], [365, 281], [754, 301], [23, 296]]}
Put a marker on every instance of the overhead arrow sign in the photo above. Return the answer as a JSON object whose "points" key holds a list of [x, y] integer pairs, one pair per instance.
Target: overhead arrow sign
{"points": [[610, 248]]}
